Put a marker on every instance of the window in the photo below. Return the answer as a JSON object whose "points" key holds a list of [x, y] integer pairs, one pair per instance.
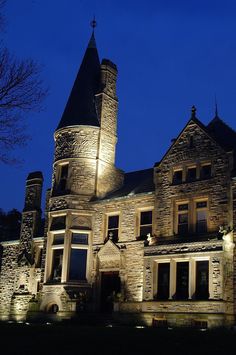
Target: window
{"points": [[58, 239], [58, 223], [113, 228], [63, 175], [177, 176], [57, 256], [163, 282], [159, 322], [191, 174], [79, 238], [145, 226], [201, 324], [205, 171], [182, 280], [182, 228], [78, 261], [78, 256], [201, 217], [191, 217], [57, 264], [202, 280]]}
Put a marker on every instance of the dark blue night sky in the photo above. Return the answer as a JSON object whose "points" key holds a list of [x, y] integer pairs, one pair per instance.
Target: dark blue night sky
{"points": [[171, 54]]}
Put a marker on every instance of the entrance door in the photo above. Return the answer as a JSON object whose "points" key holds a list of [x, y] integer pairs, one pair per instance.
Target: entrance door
{"points": [[110, 285]]}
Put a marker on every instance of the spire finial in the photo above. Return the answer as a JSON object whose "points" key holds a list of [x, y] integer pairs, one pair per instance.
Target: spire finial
{"points": [[216, 108], [93, 23], [193, 110]]}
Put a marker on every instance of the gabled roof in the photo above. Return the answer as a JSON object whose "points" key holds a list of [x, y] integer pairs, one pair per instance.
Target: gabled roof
{"points": [[193, 119], [222, 133], [217, 130], [80, 108], [135, 182]]}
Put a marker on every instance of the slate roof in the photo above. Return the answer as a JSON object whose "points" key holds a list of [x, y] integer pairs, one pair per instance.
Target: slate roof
{"points": [[80, 108], [222, 133], [135, 182]]}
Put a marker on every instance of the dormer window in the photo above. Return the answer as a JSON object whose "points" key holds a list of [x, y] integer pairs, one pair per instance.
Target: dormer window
{"points": [[205, 171], [177, 176], [191, 174]]}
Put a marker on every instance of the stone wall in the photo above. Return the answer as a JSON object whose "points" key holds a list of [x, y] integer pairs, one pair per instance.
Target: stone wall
{"points": [[7, 277], [134, 271], [128, 210], [215, 189], [76, 142]]}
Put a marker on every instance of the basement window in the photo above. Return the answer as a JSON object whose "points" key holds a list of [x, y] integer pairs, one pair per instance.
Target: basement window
{"points": [[159, 322], [201, 324]]}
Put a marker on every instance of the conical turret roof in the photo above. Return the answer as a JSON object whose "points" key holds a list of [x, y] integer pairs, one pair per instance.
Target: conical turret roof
{"points": [[80, 108]]}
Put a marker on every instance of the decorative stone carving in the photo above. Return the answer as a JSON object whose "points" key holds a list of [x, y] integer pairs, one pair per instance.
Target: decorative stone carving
{"points": [[76, 144], [30, 197], [109, 250], [184, 248], [57, 204], [27, 232], [81, 221], [109, 256]]}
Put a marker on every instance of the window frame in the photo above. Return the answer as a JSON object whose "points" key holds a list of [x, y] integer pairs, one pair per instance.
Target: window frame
{"points": [[202, 165], [56, 247], [192, 215], [139, 225], [67, 246], [176, 170], [59, 177], [188, 168], [178, 212], [107, 229], [199, 296], [196, 209], [192, 276]]}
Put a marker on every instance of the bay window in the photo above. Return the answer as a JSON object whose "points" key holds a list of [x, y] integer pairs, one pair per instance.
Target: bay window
{"points": [[67, 253]]}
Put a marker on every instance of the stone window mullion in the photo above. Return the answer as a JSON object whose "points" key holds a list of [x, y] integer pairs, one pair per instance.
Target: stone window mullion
{"points": [[172, 279], [66, 256]]}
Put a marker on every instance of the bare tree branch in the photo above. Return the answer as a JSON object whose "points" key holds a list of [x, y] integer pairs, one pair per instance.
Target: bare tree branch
{"points": [[21, 91]]}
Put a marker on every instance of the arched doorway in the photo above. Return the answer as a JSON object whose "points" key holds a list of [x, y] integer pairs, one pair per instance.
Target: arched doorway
{"points": [[52, 308]]}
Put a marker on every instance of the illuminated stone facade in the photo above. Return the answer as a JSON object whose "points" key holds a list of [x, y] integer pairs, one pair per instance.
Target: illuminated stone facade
{"points": [[154, 247]]}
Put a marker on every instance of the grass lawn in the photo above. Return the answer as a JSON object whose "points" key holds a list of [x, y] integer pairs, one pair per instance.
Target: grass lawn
{"points": [[74, 339]]}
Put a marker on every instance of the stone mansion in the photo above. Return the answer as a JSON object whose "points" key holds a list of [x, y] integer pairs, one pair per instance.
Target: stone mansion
{"points": [[153, 247]]}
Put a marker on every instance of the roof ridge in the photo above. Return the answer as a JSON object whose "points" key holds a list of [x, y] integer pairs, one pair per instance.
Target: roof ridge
{"points": [[220, 119], [135, 171]]}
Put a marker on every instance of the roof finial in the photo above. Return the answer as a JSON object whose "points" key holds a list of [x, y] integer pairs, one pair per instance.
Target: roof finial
{"points": [[216, 107], [193, 112], [93, 23]]}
